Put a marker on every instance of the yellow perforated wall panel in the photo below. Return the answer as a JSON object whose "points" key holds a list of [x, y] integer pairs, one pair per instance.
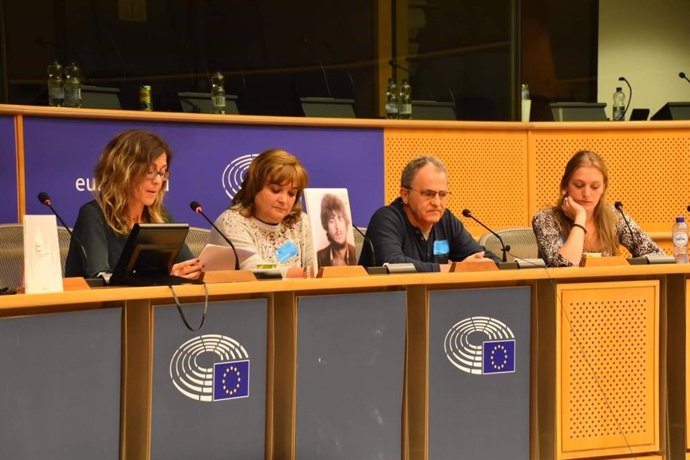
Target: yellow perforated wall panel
{"points": [[487, 169], [648, 170], [506, 175], [608, 370]]}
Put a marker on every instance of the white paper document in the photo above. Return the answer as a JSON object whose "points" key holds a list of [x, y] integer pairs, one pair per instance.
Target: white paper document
{"points": [[42, 270], [216, 257]]}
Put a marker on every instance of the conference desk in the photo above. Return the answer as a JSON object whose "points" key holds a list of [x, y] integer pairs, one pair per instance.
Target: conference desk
{"points": [[521, 364]]}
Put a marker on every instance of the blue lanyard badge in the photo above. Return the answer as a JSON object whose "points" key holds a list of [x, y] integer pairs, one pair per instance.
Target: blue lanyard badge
{"points": [[441, 247], [286, 252]]}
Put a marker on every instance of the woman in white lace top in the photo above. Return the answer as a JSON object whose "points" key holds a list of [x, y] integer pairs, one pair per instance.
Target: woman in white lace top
{"points": [[266, 215]]}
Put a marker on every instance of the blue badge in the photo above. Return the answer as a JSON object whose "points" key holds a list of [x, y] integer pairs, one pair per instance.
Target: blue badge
{"points": [[441, 247], [286, 252]]}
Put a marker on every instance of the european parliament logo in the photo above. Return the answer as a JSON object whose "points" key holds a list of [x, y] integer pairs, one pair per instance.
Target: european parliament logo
{"points": [[211, 367], [481, 345], [234, 172]]}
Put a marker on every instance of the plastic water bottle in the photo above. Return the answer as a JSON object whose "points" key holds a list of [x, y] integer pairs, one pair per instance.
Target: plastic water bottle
{"points": [[391, 99], [218, 93], [680, 240], [525, 103], [405, 100], [619, 105], [72, 86], [56, 85]]}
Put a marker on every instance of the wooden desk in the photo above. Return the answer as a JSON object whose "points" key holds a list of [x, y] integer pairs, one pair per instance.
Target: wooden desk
{"points": [[660, 288]]}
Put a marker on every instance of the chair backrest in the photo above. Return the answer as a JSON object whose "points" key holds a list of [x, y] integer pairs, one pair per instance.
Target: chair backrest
{"points": [[63, 240], [197, 238], [359, 240], [522, 242], [12, 253]]}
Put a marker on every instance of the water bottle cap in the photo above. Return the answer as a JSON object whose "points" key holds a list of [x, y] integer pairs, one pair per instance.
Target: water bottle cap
{"points": [[680, 219], [618, 88]]}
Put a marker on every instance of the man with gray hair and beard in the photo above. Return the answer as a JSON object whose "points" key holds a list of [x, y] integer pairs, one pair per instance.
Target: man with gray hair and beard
{"points": [[417, 228]]}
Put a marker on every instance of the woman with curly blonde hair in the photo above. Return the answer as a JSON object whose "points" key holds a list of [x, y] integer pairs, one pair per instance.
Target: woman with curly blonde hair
{"points": [[131, 177], [266, 216]]}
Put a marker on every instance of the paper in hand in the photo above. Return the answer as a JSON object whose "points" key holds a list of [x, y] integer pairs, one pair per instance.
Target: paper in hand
{"points": [[216, 257]]}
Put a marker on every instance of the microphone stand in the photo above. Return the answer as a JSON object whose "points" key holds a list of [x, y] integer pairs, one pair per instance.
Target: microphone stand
{"points": [[630, 98], [375, 270], [196, 207], [646, 259], [504, 248], [307, 43], [684, 77], [619, 207], [394, 64]]}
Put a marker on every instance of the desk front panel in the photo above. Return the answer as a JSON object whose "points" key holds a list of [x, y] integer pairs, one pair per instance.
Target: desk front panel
{"points": [[350, 368], [209, 386], [607, 364], [479, 373], [60, 385]]}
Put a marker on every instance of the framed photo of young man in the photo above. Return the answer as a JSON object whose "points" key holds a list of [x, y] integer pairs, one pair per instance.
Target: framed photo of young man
{"points": [[331, 226]]}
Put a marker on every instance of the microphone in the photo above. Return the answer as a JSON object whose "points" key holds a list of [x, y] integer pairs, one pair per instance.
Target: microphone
{"points": [[619, 206], [376, 270], [323, 69], [45, 200], [504, 248], [394, 63], [630, 98], [684, 77], [197, 208]]}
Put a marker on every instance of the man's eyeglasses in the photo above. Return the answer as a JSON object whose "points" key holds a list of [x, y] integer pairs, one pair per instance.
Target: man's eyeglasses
{"points": [[431, 194], [152, 173]]}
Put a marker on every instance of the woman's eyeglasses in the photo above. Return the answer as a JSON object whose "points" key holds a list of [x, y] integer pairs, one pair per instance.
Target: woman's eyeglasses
{"points": [[152, 173]]}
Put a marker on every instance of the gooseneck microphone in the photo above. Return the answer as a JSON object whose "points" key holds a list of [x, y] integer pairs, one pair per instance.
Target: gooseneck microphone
{"points": [[630, 98], [619, 206], [45, 200], [504, 248], [197, 208], [307, 43], [394, 63], [371, 245], [684, 77]]}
